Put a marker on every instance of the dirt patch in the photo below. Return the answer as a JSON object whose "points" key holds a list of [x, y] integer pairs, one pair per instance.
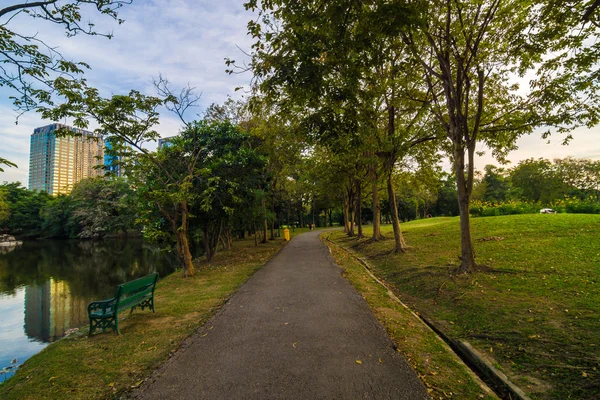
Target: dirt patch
{"points": [[491, 239]]}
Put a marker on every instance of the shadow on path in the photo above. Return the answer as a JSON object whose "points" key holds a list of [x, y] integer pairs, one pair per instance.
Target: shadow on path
{"points": [[296, 330]]}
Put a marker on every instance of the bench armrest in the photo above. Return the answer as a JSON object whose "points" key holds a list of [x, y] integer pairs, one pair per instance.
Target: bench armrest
{"points": [[101, 305]]}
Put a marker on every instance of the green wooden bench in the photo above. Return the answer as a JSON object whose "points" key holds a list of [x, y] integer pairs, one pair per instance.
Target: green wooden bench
{"points": [[136, 293]]}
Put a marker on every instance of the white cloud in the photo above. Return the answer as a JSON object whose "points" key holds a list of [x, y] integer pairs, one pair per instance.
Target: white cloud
{"points": [[186, 41]]}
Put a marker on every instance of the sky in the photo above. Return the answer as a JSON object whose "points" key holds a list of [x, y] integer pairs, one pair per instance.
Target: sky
{"points": [[187, 42]]}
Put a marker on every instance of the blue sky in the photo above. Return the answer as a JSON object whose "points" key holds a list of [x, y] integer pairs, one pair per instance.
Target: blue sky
{"points": [[186, 41]]}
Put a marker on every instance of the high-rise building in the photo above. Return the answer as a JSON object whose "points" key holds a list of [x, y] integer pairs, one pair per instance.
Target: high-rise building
{"points": [[57, 163], [113, 164], [162, 142]]}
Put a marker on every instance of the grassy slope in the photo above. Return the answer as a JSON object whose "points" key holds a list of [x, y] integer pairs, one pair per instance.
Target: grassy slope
{"points": [[443, 374], [535, 312], [107, 365]]}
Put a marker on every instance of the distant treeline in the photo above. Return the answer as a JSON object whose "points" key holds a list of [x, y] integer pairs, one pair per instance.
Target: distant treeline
{"points": [[95, 208]]}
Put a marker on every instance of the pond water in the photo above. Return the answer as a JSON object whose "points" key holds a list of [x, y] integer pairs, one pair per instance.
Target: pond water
{"points": [[45, 287]]}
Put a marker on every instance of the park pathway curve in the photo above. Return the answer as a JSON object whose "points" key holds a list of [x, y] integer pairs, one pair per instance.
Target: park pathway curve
{"points": [[295, 330]]}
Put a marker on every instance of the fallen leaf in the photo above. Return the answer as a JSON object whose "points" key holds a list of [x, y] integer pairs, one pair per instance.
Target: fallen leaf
{"points": [[380, 361], [294, 344], [51, 378], [359, 362], [111, 384], [584, 374]]}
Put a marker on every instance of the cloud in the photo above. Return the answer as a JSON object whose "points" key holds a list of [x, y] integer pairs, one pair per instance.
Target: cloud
{"points": [[185, 40]]}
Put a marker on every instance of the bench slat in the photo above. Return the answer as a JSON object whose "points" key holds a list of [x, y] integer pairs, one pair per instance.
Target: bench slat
{"points": [[136, 293]]}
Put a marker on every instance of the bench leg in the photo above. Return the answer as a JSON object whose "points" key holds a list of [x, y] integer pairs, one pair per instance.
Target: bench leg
{"points": [[117, 324]]}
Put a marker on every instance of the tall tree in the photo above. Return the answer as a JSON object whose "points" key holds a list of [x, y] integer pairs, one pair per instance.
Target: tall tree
{"points": [[470, 52], [128, 121]]}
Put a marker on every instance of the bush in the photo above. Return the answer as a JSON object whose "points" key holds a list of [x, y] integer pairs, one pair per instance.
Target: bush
{"points": [[571, 205]]}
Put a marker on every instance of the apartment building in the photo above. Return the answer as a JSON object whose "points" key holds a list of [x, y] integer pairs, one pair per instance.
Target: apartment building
{"points": [[57, 163]]}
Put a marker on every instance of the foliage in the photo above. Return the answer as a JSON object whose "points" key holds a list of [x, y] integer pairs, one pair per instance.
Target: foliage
{"points": [[537, 181], [30, 65], [214, 175], [25, 209], [571, 205], [58, 220], [102, 206], [4, 207], [4, 161]]}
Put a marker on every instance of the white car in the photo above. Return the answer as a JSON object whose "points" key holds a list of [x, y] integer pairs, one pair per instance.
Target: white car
{"points": [[547, 211]]}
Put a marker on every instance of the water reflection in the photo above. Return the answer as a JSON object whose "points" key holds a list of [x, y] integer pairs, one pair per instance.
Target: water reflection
{"points": [[45, 287]]}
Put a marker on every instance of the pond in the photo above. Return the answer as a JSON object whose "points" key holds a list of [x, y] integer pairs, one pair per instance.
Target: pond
{"points": [[45, 287]]}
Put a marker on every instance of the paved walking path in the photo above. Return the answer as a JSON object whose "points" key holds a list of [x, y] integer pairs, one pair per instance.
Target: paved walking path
{"points": [[295, 330]]}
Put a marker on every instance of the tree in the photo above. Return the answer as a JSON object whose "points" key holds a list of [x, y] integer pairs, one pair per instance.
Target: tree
{"points": [[496, 185], [128, 122], [446, 204], [58, 219], [103, 206], [25, 206], [30, 65], [537, 181], [581, 175], [4, 207], [341, 65], [470, 52]]}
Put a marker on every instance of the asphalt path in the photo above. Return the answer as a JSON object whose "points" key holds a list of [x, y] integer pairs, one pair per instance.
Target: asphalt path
{"points": [[296, 330]]}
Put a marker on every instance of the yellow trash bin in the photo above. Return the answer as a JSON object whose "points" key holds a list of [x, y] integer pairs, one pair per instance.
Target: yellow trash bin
{"points": [[286, 234]]}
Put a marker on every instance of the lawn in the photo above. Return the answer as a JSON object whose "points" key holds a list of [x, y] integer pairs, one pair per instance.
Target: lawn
{"points": [[107, 365], [535, 309]]}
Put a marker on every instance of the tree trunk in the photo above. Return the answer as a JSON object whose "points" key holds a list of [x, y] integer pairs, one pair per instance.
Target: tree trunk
{"points": [[184, 244], [255, 236], [330, 221], [359, 210], [467, 264], [206, 240], [227, 238], [279, 225], [400, 245], [265, 223], [272, 220], [352, 215], [345, 213], [185, 254], [350, 196], [376, 207]]}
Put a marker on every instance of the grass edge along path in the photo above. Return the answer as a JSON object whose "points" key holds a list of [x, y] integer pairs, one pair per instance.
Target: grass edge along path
{"points": [[439, 368], [107, 365], [532, 310]]}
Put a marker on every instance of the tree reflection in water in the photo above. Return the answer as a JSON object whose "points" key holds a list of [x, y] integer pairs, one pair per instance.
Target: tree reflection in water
{"points": [[60, 278]]}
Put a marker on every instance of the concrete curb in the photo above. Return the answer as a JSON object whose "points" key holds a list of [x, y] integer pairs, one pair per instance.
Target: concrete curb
{"points": [[482, 370]]}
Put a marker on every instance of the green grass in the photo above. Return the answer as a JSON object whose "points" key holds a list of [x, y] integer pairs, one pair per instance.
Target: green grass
{"points": [[107, 365], [442, 373], [535, 312]]}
